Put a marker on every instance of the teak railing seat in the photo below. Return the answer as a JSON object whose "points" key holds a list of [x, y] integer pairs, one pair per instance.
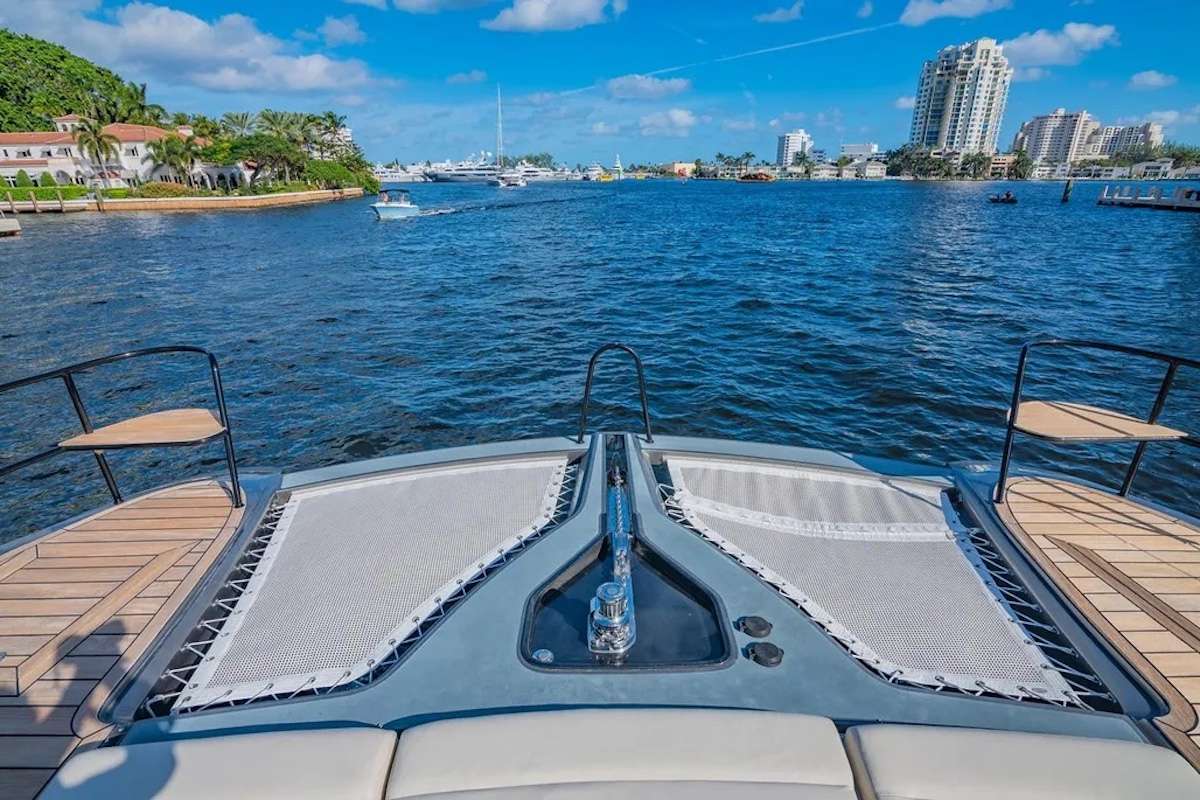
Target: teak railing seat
{"points": [[1079, 422], [170, 428], [175, 427], [1076, 422]]}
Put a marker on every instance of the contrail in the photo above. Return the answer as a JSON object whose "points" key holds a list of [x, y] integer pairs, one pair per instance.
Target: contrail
{"points": [[749, 54]]}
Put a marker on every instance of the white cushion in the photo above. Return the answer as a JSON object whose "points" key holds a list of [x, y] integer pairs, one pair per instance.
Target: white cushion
{"points": [[346, 763], [536, 753], [907, 762]]}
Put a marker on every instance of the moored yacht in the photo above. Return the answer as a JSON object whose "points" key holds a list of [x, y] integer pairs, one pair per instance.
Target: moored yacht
{"points": [[471, 170], [605, 613]]}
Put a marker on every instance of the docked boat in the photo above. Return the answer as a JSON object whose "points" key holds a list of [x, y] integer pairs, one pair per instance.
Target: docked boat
{"points": [[394, 204], [756, 177], [471, 170], [399, 174], [509, 179], [603, 613]]}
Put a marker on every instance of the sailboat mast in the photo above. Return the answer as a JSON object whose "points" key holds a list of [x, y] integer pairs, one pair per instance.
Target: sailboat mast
{"points": [[499, 132]]}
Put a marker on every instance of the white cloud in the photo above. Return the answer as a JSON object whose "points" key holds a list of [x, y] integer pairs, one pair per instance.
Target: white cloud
{"points": [[341, 30], [785, 14], [379, 4], [788, 116], [470, 76], [155, 42], [1066, 47], [739, 124], [905, 102], [351, 100], [553, 15], [1152, 79], [1172, 117], [423, 6], [645, 87], [1030, 74], [918, 12], [605, 129], [673, 122], [865, 10]]}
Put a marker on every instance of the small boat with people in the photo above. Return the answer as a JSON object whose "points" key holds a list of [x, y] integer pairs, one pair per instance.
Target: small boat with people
{"points": [[603, 613], [510, 179], [1008, 198], [394, 204]]}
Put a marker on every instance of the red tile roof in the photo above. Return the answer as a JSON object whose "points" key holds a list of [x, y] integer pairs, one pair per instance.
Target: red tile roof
{"points": [[68, 118], [124, 132], [17, 163], [36, 137]]}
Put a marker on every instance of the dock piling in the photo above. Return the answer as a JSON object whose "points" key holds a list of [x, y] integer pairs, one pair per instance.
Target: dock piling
{"points": [[33, 199]]}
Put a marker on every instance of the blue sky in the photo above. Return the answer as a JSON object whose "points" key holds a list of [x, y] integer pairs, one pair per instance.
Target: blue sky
{"points": [[650, 79]]}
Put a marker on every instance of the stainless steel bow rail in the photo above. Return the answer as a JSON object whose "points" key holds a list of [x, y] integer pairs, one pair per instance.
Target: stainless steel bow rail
{"points": [[587, 388], [1143, 431], [93, 440]]}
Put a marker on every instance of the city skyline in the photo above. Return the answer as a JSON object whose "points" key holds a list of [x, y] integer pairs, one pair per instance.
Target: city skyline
{"points": [[585, 79]]}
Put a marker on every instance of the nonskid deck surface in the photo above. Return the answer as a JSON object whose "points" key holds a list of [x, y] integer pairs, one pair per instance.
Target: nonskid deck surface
{"points": [[1134, 572], [352, 570], [79, 606], [884, 566]]}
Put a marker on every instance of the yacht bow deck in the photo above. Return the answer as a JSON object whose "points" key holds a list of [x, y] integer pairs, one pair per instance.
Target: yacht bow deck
{"points": [[81, 605], [1134, 572]]}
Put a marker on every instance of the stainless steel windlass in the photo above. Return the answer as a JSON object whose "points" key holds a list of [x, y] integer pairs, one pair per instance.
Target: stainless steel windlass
{"points": [[612, 628]]}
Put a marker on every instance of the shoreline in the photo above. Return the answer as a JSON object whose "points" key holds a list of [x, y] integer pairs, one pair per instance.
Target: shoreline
{"points": [[10, 204]]}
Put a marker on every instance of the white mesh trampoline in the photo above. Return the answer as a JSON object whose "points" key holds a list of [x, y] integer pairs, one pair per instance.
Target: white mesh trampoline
{"points": [[354, 568], [884, 566]]}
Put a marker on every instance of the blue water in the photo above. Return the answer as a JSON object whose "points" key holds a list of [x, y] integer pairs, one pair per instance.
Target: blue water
{"points": [[880, 318]]}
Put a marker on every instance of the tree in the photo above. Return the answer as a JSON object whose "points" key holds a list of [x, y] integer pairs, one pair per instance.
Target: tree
{"points": [[268, 152], [97, 144], [160, 153], [975, 165], [239, 123], [1022, 166], [46, 179], [23, 180], [132, 106]]}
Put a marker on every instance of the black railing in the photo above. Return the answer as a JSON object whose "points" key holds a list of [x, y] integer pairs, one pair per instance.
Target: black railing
{"points": [[67, 374], [587, 388], [1173, 363]]}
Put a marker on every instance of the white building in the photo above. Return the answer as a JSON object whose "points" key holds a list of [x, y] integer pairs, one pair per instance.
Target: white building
{"points": [[1112, 139], [961, 97], [1056, 138], [824, 172], [57, 152], [859, 151], [797, 141], [870, 169]]}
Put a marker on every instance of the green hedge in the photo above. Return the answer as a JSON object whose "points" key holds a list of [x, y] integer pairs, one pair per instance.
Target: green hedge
{"points": [[71, 192]]}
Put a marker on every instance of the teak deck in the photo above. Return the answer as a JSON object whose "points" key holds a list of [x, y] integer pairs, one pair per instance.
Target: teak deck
{"points": [[80, 606], [1135, 573]]}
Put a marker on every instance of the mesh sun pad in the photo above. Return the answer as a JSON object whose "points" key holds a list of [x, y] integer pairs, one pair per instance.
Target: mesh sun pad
{"points": [[875, 562], [353, 568]]}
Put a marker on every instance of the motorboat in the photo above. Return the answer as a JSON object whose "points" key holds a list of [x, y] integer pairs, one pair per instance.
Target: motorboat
{"points": [[510, 179], [1008, 198], [603, 612], [394, 204]]}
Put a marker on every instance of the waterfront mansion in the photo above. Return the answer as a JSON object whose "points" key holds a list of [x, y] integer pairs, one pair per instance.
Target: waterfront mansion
{"points": [[57, 153]]}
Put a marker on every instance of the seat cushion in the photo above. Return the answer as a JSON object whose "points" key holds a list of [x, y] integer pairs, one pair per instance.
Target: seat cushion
{"points": [[346, 763], [573, 754], [914, 762]]}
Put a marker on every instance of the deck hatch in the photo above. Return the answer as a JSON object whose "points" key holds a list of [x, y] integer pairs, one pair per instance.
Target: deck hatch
{"points": [[884, 566], [354, 568]]}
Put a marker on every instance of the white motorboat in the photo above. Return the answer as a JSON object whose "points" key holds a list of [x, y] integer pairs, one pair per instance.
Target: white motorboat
{"points": [[394, 204], [510, 179]]}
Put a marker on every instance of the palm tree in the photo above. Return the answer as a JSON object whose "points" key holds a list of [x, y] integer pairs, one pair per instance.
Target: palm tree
{"points": [[274, 123], [97, 144], [745, 159], [1022, 166], [132, 106], [161, 153], [240, 123], [975, 165], [330, 126]]}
